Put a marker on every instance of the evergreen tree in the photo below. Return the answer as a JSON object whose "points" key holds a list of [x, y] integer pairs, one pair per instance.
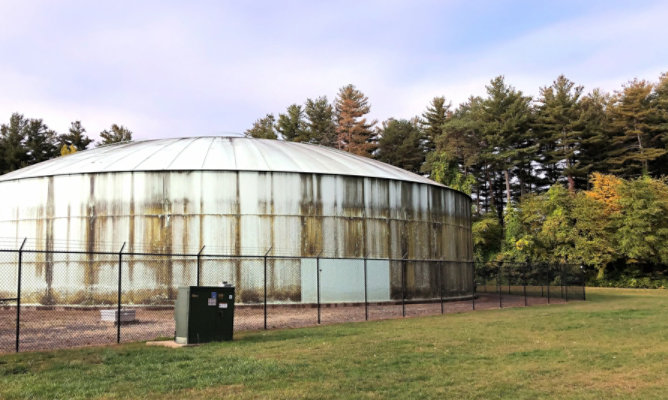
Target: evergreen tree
{"points": [[460, 138], [320, 126], [40, 141], [263, 128], [631, 136], [559, 126], [13, 152], [399, 145], [433, 120], [291, 125], [454, 161], [76, 137], [116, 134], [505, 118], [660, 124], [354, 133], [595, 143]]}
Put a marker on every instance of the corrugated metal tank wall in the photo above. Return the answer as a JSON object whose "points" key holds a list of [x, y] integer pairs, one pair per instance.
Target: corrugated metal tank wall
{"points": [[238, 212]]}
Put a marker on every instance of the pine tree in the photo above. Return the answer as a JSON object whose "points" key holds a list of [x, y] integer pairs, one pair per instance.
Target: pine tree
{"points": [[40, 141], [559, 126], [291, 125], [455, 161], [399, 145], [354, 133], [631, 135], [433, 120], [595, 142], [263, 128], [116, 134], [461, 136], [76, 137], [660, 124], [320, 126], [13, 152], [505, 118], [25, 142]]}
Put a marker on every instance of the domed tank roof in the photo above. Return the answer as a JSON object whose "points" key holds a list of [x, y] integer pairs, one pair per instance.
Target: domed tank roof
{"points": [[218, 153]]}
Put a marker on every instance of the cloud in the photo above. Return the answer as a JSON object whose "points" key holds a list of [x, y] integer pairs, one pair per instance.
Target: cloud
{"points": [[175, 69], [601, 50]]}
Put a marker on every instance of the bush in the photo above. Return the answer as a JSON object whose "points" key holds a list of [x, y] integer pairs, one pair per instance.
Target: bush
{"points": [[631, 282]]}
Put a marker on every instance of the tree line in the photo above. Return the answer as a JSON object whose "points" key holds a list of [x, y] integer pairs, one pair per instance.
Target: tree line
{"points": [[516, 155], [532, 165], [26, 141]]}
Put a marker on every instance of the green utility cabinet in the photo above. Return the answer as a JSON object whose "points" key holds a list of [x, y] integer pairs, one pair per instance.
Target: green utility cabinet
{"points": [[204, 314]]}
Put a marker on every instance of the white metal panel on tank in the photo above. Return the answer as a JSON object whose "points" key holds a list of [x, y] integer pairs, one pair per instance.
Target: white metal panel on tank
{"points": [[219, 192], [161, 159], [193, 152], [223, 153], [295, 199], [285, 185]]}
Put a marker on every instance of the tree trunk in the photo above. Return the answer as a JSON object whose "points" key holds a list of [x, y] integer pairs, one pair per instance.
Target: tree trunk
{"points": [[490, 189], [571, 183], [477, 199], [507, 175], [644, 161]]}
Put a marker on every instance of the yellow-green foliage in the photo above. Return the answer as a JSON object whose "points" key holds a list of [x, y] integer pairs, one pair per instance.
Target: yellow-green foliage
{"points": [[487, 234], [617, 220]]}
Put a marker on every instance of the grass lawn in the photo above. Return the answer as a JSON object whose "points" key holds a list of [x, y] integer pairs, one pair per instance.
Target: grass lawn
{"points": [[613, 345]]}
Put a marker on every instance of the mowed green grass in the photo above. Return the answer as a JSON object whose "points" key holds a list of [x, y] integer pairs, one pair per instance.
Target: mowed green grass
{"points": [[615, 345]]}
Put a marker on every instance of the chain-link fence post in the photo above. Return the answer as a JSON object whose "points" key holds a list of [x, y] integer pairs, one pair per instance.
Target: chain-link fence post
{"points": [[563, 268], [18, 296], [403, 285], [366, 293], [542, 287], [118, 310], [199, 264], [524, 283], [547, 273], [317, 277], [440, 285], [473, 285], [264, 311], [498, 284], [584, 295], [508, 277]]}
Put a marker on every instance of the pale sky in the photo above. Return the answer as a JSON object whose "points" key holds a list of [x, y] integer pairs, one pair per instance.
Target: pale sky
{"points": [[176, 68]]}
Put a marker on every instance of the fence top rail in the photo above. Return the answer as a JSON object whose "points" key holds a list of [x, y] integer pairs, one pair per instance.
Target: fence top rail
{"points": [[229, 256], [497, 264]]}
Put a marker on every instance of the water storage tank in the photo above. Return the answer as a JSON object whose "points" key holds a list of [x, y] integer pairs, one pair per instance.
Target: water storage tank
{"points": [[238, 197]]}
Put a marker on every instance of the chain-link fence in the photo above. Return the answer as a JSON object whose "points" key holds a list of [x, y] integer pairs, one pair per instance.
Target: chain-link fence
{"points": [[56, 299], [524, 284]]}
